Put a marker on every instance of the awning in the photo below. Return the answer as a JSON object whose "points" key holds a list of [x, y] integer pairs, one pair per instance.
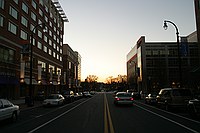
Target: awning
{"points": [[27, 81]]}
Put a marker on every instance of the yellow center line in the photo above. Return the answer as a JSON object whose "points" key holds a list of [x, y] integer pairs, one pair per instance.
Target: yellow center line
{"points": [[107, 117]]}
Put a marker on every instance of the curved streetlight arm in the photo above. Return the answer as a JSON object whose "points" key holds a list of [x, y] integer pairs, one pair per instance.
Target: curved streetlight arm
{"points": [[178, 48], [43, 26], [165, 25]]}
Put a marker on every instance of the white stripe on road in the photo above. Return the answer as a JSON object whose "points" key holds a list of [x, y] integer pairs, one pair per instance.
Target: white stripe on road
{"points": [[169, 112], [168, 119], [56, 117]]}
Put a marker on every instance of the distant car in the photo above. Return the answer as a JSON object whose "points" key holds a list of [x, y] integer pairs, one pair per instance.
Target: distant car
{"points": [[54, 100], [87, 94], [69, 96], [8, 110], [193, 107], [150, 99], [173, 98], [123, 98]]}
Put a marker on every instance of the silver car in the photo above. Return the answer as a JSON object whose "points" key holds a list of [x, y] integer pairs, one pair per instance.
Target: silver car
{"points": [[8, 110], [53, 100], [123, 98]]}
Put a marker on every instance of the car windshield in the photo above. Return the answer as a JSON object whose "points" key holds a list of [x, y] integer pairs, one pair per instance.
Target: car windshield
{"points": [[124, 95], [52, 97]]}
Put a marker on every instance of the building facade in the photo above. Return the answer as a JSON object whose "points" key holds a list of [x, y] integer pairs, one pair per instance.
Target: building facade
{"points": [[71, 68], [22, 22], [154, 65]]}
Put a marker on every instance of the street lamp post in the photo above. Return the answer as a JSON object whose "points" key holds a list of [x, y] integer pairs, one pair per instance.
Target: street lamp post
{"points": [[178, 48], [31, 101]]}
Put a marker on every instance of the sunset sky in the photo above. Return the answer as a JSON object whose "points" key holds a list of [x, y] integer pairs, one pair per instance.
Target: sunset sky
{"points": [[104, 31]]}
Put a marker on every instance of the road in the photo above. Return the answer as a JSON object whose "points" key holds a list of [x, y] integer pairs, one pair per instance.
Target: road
{"points": [[99, 115]]}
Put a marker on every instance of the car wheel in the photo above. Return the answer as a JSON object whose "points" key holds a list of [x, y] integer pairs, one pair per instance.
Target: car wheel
{"points": [[14, 117]]}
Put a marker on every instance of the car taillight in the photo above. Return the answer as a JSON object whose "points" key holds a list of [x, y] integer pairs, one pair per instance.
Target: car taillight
{"points": [[131, 99], [117, 99]]}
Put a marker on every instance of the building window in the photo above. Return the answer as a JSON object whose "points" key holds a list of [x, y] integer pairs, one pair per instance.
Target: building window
{"points": [[25, 8], [13, 12], [31, 28], [41, 12], [46, 19], [61, 51], [45, 38], [50, 52], [33, 16], [41, 2], [23, 35], [57, 57], [60, 58], [39, 45], [24, 21], [40, 22], [7, 55], [40, 34], [34, 42], [50, 42], [43, 65], [54, 45], [12, 28], [50, 23], [2, 4], [54, 54], [46, 9], [1, 21], [50, 33], [54, 28], [45, 49], [34, 4], [54, 37]]}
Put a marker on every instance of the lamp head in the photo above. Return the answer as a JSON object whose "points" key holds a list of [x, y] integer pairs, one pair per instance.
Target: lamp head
{"points": [[165, 25]]}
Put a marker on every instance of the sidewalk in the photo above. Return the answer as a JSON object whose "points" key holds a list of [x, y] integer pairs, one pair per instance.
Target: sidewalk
{"points": [[23, 106]]}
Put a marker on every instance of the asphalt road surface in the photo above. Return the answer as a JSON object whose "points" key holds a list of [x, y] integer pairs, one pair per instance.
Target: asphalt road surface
{"points": [[99, 115]]}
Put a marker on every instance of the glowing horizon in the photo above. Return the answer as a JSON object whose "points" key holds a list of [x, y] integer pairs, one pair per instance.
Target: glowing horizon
{"points": [[103, 32]]}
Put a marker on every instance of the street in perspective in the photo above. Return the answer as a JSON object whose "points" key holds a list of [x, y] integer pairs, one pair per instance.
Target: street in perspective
{"points": [[99, 114], [99, 66]]}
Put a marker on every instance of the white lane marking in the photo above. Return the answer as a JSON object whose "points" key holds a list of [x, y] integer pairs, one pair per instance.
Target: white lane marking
{"points": [[168, 119], [35, 129], [170, 113]]}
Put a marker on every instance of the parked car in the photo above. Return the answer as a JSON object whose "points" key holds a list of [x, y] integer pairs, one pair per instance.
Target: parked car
{"points": [[123, 98], [173, 97], [8, 110], [54, 100], [69, 96], [87, 94], [193, 107], [151, 99]]}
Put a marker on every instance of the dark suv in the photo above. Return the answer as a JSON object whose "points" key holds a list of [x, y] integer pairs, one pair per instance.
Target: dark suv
{"points": [[69, 96], [173, 97]]}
